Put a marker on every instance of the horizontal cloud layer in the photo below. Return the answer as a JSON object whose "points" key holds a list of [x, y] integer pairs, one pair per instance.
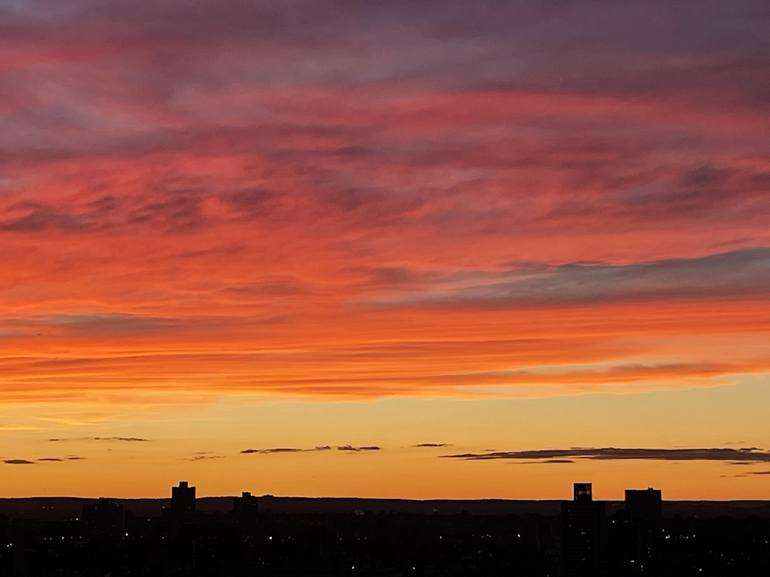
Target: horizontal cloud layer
{"points": [[42, 460], [744, 273], [109, 439], [206, 458], [278, 450], [363, 199], [752, 455]]}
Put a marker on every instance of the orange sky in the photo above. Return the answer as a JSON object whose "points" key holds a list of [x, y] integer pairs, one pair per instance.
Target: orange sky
{"points": [[505, 228]]}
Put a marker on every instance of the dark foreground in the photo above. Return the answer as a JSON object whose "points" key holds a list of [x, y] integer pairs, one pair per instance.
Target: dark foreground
{"points": [[107, 540]]}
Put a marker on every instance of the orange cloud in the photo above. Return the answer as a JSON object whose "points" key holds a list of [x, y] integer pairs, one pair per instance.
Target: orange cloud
{"points": [[204, 223]]}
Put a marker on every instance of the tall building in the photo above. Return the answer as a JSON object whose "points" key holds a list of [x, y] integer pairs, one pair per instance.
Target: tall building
{"points": [[181, 528], [644, 506], [582, 533], [582, 492], [644, 510], [183, 499]]}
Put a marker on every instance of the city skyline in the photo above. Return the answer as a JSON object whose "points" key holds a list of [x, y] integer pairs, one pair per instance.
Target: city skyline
{"points": [[384, 249], [577, 537]]}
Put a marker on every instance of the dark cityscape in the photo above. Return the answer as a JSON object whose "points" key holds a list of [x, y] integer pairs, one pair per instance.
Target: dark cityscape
{"points": [[251, 535]]}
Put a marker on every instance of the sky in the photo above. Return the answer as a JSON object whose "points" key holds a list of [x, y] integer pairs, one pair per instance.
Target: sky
{"points": [[431, 249]]}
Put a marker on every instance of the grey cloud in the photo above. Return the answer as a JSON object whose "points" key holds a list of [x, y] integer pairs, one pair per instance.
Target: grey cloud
{"points": [[431, 445], [176, 212], [353, 199], [18, 462], [443, 38], [251, 202], [731, 274], [202, 54], [358, 449], [695, 190], [619, 454], [446, 43], [37, 217]]}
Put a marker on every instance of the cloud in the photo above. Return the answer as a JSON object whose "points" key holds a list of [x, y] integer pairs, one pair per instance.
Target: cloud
{"points": [[251, 202], [107, 439], [177, 212], [494, 203], [746, 475], [35, 217], [61, 459], [749, 455], [274, 450], [109, 324], [743, 273], [320, 448], [269, 288], [43, 460], [284, 450], [205, 457], [431, 445]]}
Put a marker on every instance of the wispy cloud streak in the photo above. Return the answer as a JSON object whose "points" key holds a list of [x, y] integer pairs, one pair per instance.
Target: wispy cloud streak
{"points": [[749, 455]]}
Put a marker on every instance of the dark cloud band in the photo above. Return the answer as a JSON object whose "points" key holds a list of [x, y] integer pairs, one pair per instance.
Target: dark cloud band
{"points": [[751, 455]]}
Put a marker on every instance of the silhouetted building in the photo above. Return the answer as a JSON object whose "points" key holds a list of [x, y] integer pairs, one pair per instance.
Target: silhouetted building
{"points": [[582, 532], [183, 499], [644, 506], [104, 518], [181, 552], [181, 513], [644, 509], [245, 507], [582, 492]]}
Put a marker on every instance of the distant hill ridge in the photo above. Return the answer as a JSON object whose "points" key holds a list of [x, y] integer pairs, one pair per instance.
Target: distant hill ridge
{"points": [[57, 508]]}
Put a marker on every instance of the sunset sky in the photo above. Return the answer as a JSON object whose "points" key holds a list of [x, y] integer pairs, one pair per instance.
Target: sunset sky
{"points": [[452, 249]]}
